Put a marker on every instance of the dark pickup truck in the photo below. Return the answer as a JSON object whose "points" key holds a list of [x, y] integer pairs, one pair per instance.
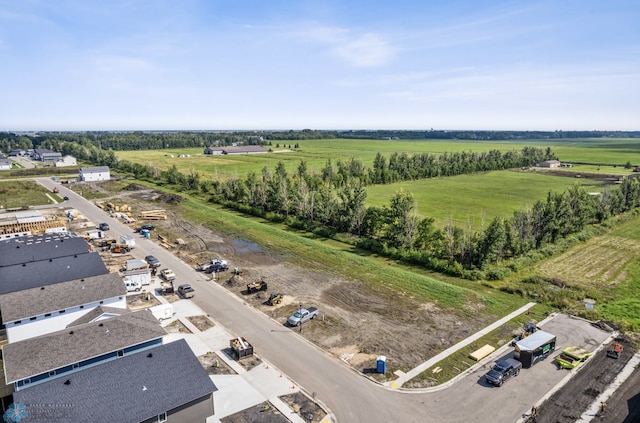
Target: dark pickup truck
{"points": [[502, 371]]}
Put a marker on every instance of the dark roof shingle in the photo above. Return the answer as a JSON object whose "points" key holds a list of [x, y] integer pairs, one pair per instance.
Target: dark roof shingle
{"points": [[127, 390], [31, 302], [52, 351]]}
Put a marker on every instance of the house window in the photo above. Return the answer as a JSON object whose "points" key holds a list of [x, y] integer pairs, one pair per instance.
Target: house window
{"points": [[62, 311], [47, 315], [75, 365], [17, 322], [121, 353], [162, 417], [101, 302], [81, 306], [32, 318], [52, 373]]}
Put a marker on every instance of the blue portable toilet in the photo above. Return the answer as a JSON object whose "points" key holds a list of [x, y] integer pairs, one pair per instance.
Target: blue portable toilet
{"points": [[381, 364], [145, 233]]}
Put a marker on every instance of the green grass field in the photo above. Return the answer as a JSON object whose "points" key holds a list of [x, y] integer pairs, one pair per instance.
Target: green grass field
{"points": [[316, 153], [468, 199], [15, 194]]}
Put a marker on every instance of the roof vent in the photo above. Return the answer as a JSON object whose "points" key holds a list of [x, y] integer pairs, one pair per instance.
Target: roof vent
{"points": [[82, 280], [17, 246], [150, 355], [71, 333], [75, 256], [67, 382], [42, 287], [101, 324], [50, 260]]}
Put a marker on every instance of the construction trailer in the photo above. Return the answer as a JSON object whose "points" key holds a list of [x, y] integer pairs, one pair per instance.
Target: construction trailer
{"points": [[534, 348]]}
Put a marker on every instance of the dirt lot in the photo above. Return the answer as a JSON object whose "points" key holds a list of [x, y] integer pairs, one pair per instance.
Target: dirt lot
{"points": [[355, 324], [261, 413], [566, 405]]}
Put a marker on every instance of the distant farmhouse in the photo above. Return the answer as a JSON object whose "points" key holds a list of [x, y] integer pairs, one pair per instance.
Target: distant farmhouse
{"points": [[5, 164], [550, 164], [97, 173], [247, 149]]}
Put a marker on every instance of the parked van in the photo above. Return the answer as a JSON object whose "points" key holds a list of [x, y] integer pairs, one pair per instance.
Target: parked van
{"points": [[132, 284]]}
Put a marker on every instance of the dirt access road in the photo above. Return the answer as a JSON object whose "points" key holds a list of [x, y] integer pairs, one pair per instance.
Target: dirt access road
{"points": [[356, 324]]}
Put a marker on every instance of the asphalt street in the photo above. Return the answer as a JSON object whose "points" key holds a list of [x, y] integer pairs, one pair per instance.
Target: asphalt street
{"points": [[351, 397]]}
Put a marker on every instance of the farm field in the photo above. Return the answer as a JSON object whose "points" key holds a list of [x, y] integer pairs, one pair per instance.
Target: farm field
{"points": [[468, 199], [316, 153], [607, 266]]}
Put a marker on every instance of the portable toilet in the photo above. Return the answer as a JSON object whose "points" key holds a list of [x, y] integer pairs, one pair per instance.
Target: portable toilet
{"points": [[145, 233], [381, 364]]}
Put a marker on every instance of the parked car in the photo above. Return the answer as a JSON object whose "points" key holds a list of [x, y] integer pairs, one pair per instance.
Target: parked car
{"points": [[502, 371], [153, 261], [167, 274], [103, 227], [144, 228], [65, 198], [186, 291]]}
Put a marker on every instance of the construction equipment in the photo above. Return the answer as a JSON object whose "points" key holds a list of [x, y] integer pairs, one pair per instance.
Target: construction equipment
{"points": [[527, 329], [615, 351], [120, 248], [256, 286], [241, 348], [274, 298]]}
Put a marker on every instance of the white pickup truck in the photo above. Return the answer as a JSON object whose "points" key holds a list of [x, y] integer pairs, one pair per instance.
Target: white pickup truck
{"points": [[302, 315]]}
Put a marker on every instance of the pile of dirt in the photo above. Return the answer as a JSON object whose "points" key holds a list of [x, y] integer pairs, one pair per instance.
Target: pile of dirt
{"points": [[261, 413]]}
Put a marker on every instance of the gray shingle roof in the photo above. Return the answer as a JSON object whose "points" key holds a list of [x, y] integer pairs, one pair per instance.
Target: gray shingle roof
{"points": [[95, 169], [52, 351], [27, 249], [131, 389], [60, 296], [48, 272], [97, 312]]}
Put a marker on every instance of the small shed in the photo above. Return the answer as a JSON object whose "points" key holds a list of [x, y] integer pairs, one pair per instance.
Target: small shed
{"points": [[550, 163]]}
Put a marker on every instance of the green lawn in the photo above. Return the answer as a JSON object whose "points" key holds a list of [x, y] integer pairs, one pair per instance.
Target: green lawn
{"points": [[15, 194]]}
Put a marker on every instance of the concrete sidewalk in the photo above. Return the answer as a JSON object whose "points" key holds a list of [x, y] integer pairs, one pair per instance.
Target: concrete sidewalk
{"points": [[404, 377], [235, 392]]}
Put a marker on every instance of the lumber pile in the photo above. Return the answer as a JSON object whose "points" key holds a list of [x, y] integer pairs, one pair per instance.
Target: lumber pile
{"points": [[154, 214]]}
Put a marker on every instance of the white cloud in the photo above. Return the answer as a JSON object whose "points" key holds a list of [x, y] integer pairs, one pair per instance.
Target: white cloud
{"points": [[360, 50]]}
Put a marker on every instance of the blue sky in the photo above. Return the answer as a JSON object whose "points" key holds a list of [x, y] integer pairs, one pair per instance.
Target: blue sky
{"points": [[326, 64]]}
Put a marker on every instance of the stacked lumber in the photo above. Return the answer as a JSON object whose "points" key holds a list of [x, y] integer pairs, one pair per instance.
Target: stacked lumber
{"points": [[154, 214]]}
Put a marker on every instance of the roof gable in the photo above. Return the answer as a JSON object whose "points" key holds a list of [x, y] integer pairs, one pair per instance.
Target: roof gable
{"points": [[44, 299], [52, 351]]}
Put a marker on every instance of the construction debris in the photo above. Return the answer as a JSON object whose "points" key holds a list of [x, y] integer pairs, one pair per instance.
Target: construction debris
{"points": [[154, 215]]}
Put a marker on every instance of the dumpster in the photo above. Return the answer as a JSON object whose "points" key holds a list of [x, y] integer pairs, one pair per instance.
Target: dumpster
{"points": [[381, 364]]}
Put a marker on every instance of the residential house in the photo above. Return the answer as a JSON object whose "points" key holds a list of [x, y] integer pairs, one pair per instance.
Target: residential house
{"points": [[5, 164], [161, 384], [16, 153], [32, 312], [60, 354], [66, 161], [96, 173], [213, 150], [46, 155]]}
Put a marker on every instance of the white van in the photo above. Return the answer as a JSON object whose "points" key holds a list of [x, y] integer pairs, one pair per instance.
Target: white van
{"points": [[132, 284]]}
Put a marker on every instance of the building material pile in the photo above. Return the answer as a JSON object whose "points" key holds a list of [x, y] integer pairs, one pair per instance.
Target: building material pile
{"points": [[154, 215]]}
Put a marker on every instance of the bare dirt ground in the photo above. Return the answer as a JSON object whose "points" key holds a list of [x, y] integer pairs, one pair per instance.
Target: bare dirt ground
{"points": [[176, 327], [567, 404], [355, 323], [214, 365], [261, 413], [140, 301], [201, 322]]}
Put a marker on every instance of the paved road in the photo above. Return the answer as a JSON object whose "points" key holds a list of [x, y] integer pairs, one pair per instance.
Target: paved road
{"points": [[350, 396]]}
